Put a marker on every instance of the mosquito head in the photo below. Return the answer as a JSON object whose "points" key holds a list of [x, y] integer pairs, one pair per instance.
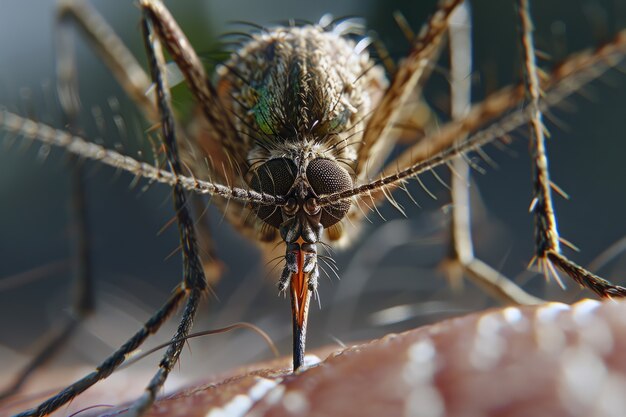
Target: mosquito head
{"points": [[302, 216], [301, 222]]}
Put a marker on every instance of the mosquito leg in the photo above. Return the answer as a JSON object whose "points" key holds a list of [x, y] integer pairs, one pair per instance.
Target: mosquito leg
{"points": [[546, 234], [193, 286], [80, 15], [108, 46], [194, 281], [107, 367], [461, 67], [210, 262], [83, 288], [439, 148], [82, 295], [547, 241], [407, 81], [187, 60], [461, 246], [462, 260], [50, 344], [123, 65]]}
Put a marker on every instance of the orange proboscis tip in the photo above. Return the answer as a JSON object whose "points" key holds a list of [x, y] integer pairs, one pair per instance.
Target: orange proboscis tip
{"points": [[300, 290]]}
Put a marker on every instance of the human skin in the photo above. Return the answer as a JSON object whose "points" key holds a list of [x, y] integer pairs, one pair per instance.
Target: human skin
{"points": [[551, 359]]}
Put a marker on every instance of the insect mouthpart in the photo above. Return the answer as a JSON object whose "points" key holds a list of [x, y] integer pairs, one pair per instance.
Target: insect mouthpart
{"points": [[301, 231], [301, 222]]}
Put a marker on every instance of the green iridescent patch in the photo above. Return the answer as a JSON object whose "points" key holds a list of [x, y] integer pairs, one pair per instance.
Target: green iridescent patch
{"points": [[261, 110]]}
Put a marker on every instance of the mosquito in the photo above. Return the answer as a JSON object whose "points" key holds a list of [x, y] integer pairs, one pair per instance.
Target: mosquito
{"points": [[294, 142]]}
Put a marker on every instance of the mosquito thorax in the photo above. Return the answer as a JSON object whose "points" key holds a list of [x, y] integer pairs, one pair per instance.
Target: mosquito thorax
{"points": [[289, 88]]}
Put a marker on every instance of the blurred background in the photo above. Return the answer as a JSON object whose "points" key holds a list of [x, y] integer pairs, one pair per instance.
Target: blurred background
{"points": [[389, 277]]}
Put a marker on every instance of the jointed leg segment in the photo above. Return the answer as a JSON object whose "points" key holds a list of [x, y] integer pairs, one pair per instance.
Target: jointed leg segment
{"points": [[109, 48], [547, 240], [109, 365], [192, 288], [461, 259]]}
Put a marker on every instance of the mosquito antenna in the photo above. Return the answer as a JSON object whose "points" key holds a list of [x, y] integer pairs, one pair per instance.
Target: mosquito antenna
{"points": [[79, 146]]}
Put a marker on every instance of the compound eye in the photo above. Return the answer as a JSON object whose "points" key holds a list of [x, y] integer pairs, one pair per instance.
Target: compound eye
{"points": [[291, 206], [311, 207], [326, 177], [275, 177]]}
